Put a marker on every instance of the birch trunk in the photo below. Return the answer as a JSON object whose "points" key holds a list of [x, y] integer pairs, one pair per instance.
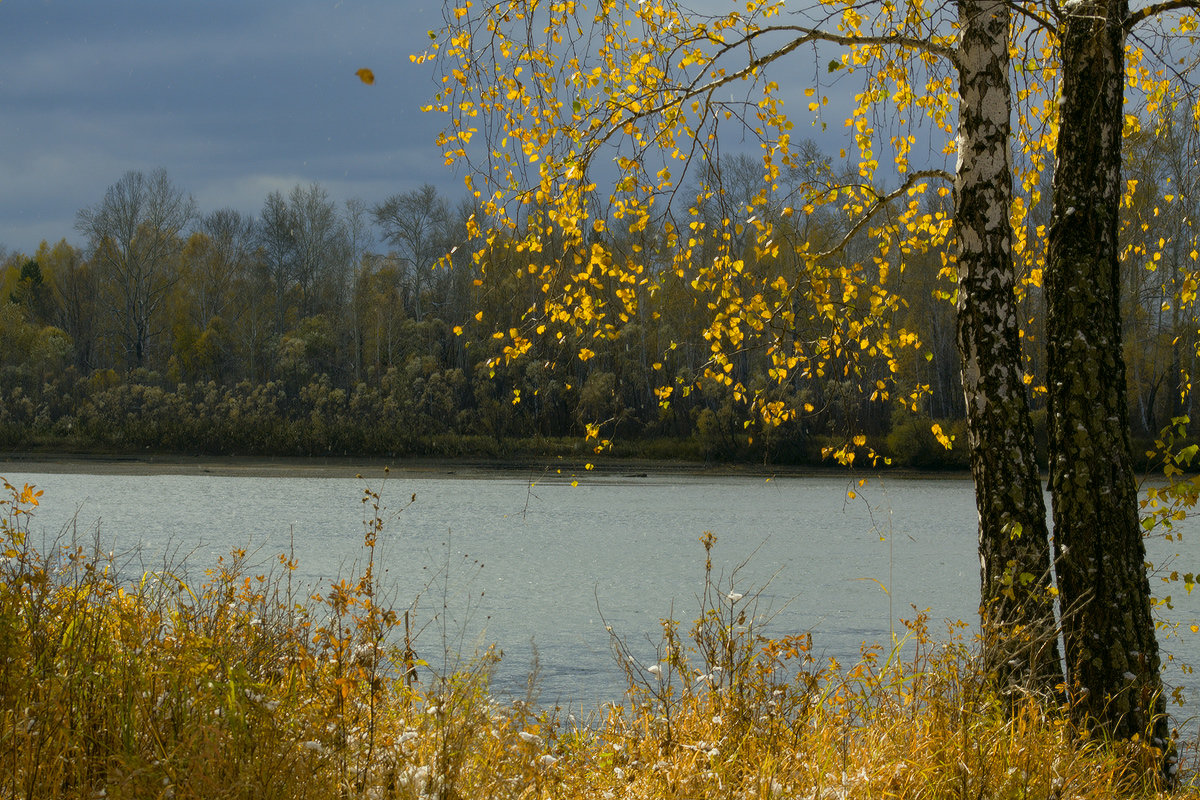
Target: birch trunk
{"points": [[1020, 642], [1111, 651]]}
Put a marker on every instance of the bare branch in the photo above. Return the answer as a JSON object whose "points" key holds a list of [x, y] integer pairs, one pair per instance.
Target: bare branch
{"points": [[1042, 21], [1154, 10], [897, 40]]}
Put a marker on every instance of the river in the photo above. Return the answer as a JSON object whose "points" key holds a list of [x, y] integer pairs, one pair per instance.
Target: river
{"points": [[540, 562]]}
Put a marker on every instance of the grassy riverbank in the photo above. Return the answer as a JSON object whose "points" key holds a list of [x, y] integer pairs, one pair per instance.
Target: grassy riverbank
{"points": [[146, 686]]}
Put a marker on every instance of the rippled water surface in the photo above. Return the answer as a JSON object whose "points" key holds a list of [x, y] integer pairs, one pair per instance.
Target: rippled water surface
{"points": [[536, 563]]}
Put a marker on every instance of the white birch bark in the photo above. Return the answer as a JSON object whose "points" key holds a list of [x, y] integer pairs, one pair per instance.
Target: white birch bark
{"points": [[1017, 609]]}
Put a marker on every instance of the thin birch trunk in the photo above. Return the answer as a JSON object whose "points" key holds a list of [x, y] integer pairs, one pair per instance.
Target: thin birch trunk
{"points": [[1017, 608]]}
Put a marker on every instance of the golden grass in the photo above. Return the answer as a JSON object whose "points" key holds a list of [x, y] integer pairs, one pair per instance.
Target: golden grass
{"points": [[155, 689]]}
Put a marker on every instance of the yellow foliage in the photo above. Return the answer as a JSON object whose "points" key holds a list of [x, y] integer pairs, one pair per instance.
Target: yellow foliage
{"points": [[642, 89]]}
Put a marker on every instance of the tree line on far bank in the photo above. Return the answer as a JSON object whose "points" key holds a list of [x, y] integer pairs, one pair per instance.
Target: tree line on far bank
{"points": [[177, 330]]}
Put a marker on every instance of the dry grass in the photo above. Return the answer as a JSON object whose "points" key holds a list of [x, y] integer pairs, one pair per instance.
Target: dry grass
{"points": [[152, 688]]}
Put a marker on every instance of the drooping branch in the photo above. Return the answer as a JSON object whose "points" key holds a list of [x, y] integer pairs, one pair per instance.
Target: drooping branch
{"points": [[882, 201], [754, 65]]}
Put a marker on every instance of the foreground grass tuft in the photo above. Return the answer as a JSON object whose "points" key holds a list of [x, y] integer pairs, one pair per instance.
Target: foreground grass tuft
{"points": [[145, 688]]}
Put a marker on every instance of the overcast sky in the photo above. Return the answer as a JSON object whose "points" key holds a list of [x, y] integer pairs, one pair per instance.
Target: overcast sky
{"points": [[234, 98]]}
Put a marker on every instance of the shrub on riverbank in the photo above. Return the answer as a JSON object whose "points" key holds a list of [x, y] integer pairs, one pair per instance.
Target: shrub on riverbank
{"points": [[153, 687], [428, 414]]}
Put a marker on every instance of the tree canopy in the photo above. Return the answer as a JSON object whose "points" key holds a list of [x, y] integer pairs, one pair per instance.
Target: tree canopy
{"points": [[595, 139]]}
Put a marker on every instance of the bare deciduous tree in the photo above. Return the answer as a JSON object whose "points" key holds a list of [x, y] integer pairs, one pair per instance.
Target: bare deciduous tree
{"points": [[414, 224], [135, 234]]}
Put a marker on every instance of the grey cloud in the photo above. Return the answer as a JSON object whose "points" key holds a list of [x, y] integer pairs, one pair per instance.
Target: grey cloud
{"points": [[227, 96]]}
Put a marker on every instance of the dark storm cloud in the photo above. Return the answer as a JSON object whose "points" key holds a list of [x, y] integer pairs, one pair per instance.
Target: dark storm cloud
{"points": [[233, 98]]}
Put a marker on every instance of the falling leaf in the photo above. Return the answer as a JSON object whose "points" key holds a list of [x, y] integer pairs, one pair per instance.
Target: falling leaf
{"points": [[366, 76]]}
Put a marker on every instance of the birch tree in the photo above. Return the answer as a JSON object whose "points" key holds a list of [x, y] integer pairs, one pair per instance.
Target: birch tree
{"points": [[661, 94], [1111, 649], [541, 98], [1017, 606]]}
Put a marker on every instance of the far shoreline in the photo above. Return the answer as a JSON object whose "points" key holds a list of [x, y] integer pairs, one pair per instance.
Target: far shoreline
{"points": [[369, 467]]}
